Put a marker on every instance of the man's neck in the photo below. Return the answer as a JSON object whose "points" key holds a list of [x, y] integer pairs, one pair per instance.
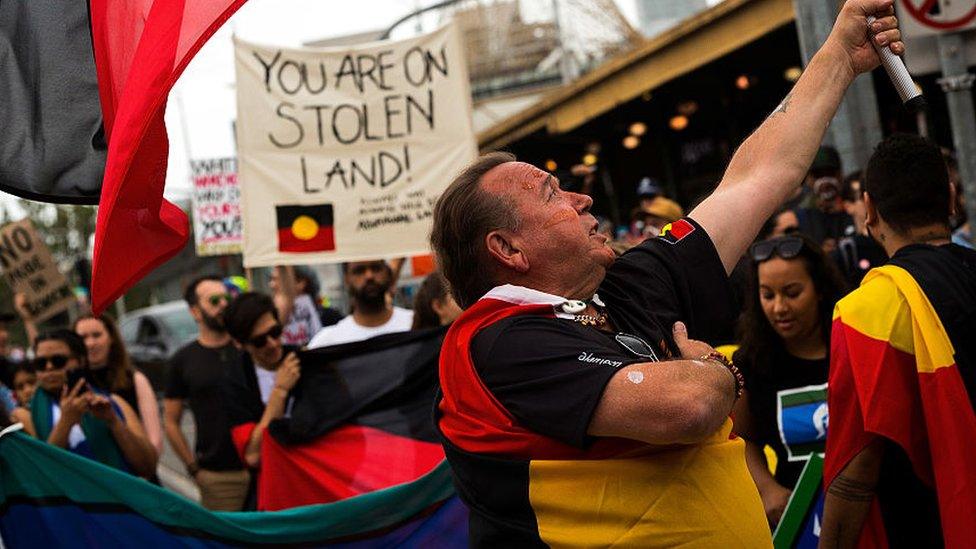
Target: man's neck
{"points": [[372, 318], [934, 235], [211, 338]]}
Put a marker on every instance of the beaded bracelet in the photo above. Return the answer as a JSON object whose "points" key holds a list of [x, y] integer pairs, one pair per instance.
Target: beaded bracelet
{"points": [[740, 381]]}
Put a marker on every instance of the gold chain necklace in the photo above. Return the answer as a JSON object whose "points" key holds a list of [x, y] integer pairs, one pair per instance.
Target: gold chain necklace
{"points": [[590, 320]]}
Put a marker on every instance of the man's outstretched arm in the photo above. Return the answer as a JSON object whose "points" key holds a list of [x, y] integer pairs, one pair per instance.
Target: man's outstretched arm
{"points": [[772, 162]]}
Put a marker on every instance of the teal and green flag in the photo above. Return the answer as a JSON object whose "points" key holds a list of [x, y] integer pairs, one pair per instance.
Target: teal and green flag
{"points": [[52, 498]]}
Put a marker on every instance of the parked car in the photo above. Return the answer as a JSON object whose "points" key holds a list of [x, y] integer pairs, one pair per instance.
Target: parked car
{"points": [[153, 334]]}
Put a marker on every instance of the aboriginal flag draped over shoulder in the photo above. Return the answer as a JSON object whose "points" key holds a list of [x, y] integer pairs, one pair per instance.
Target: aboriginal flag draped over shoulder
{"points": [[52, 498], [895, 374], [362, 420]]}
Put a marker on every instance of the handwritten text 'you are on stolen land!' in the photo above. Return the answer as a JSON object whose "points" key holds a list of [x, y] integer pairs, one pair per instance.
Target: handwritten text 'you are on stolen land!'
{"points": [[395, 100]]}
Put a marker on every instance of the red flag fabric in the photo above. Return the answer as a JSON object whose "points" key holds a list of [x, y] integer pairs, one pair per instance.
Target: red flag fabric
{"points": [[893, 374], [141, 48]]}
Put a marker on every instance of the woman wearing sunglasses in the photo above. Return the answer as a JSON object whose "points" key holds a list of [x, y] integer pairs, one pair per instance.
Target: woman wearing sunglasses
{"points": [[784, 351], [81, 418], [112, 371]]}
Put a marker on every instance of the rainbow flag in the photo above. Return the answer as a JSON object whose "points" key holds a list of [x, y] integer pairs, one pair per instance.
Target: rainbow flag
{"points": [[52, 498], [894, 374]]}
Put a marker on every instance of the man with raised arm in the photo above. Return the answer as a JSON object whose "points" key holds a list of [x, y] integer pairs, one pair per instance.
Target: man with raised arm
{"points": [[576, 410]]}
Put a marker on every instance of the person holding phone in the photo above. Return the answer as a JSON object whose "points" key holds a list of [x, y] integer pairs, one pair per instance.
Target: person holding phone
{"points": [[69, 412]]}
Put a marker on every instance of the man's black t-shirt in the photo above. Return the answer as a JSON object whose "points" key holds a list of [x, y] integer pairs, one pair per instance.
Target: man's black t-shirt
{"points": [[789, 372], [667, 279], [198, 374], [550, 373]]}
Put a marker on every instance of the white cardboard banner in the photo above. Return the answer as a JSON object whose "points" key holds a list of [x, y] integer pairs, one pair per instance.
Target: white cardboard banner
{"points": [[216, 207], [342, 152]]}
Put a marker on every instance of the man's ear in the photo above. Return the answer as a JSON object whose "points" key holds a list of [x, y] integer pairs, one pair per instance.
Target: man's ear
{"points": [[195, 313], [871, 217], [503, 248]]}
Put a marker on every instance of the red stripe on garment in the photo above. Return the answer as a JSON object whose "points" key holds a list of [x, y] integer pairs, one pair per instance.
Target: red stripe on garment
{"points": [[875, 389], [346, 462], [473, 419], [952, 434], [240, 435]]}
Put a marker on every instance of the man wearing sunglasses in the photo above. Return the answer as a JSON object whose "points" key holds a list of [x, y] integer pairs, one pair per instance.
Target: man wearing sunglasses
{"points": [[575, 409], [260, 390], [902, 437], [373, 313], [197, 374]]}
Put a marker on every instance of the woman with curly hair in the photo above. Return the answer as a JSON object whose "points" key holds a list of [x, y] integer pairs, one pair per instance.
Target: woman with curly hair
{"points": [[784, 336]]}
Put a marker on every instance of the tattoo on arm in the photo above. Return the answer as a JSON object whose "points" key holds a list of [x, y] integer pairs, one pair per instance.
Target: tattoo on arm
{"points": [[851, 490], [783, 106]]}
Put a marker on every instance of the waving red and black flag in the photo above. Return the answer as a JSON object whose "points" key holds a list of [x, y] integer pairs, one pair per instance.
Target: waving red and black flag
{"points": [[896, 374], [361, 421]]}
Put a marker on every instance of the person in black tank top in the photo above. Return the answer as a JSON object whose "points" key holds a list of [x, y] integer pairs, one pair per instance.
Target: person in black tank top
{"points": [[112, 371]]}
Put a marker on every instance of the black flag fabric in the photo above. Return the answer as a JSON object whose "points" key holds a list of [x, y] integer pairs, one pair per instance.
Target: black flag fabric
{"points": [[52, 145], [361, 421]]}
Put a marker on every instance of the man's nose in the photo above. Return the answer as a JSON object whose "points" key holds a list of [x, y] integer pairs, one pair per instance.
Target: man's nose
{"points": [[582, 202]]}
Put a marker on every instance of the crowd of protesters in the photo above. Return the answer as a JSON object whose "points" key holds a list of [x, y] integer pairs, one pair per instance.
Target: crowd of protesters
{"points": [[80, 390]]}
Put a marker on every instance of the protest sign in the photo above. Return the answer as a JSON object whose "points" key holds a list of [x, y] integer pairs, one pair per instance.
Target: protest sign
{"points": [[343, 152], [29, 268], [216, 207]]}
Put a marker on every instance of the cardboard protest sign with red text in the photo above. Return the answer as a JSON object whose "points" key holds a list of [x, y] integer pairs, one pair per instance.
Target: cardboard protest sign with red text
{"points": [[216, 207]]}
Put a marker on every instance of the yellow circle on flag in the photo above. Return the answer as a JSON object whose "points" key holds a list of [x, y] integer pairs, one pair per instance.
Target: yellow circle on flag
{"points": [[304, 227]]}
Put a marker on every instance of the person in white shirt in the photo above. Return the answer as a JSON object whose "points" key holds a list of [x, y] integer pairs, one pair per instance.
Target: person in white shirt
{"points": [[368, 283], [300, 318]]}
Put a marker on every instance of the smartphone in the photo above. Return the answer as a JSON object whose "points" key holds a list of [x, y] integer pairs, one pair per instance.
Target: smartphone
{"points": [[78, 373]]}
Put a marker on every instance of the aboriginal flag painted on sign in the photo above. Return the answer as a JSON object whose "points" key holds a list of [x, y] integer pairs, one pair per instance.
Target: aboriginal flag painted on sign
{"points": [[304, 229]]}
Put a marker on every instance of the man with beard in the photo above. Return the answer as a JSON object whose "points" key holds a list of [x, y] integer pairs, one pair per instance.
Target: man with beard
{"points": [[368, 283], [197, 373]]}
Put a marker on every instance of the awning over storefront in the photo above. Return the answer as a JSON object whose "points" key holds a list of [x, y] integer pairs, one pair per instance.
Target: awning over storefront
{"points": [[697, 41]]}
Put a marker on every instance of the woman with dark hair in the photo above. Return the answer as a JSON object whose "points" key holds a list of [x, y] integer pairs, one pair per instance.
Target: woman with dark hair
{"points": [[82, 418], [112, 371], [433, 304], [784, 334]]}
